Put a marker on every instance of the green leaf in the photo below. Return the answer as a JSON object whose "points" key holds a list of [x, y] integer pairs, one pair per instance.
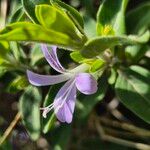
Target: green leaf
{"points": [[73, 13], [30, 111], [87, 103], [61, 137], [3, 70], [89, 26], [111, 14], [4, 48], [135, 53], [25, 31], [19, 83], [17, 51], [133, 90], [89, 7], [29, 7], [137, 19], [36, 54], [17, 15], [97, 45], [50, 17]]}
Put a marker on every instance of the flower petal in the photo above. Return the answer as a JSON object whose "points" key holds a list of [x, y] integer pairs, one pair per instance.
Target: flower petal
{"points": [[43, 80], [64, 102], [51, 57], [86, 83]]}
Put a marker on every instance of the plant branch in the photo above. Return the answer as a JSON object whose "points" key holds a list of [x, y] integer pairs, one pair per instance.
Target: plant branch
{"points": [[10, 128], [126, 126], [139, 146]]}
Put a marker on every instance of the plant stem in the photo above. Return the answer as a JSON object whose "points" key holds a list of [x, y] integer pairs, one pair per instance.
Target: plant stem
{"points": [[10, 128], [139, 146], [126, 126]]}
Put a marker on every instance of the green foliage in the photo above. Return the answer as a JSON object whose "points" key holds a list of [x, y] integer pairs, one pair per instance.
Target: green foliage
{"points": [[36, 54], [89, 27], [111, 17], [26, 31], [73, 13], [98, 45], [17, 15], [29, 108], [19, 83], [29, 7], [141, 24], [137, 20], [53, 22], [135, 53], [4, 49], [133, 89], [101, 44], [62, 136]]}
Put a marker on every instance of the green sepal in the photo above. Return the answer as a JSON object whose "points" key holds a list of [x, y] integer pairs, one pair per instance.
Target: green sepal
{"points": [[77, 57], [96, 65]]}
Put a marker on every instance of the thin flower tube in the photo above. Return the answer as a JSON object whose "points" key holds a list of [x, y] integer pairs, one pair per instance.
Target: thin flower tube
{"points": [[64, 102]]}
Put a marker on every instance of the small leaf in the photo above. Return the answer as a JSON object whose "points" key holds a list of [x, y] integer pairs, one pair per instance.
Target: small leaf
{"points": [[140, 18], [50, 17], [111, 16], [25, 31], [133, 90], [17, 15], [30, 111], [97, 45], [29, 7], [77, 18]]}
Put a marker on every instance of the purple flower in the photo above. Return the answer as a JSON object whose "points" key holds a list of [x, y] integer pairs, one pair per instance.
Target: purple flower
{"points": [[64, 102]]}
